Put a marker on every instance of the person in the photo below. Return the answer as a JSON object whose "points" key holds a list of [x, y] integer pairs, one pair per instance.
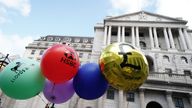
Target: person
{"points": [[47, 105], [53, 105]]}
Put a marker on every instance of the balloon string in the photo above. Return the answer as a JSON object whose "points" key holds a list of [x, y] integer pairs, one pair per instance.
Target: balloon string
{"points": [[42, 98]]}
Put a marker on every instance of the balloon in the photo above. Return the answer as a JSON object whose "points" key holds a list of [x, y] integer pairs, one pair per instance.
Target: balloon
{"points": [[58, 93], [89, 83], [124, 66], [22, 79], [60, 63]]}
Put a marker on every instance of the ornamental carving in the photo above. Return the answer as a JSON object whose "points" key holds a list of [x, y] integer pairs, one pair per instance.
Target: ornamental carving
{"points": [[142, 16]]}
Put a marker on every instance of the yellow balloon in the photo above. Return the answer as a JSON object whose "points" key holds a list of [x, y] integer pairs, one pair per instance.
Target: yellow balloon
{"points": [[124, 66]]}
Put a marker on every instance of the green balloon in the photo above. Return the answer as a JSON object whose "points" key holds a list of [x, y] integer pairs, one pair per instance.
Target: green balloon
{"points": [[22, 79]]}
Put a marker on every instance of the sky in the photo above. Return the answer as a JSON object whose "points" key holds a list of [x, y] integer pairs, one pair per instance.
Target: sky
{"points": [[22, 21]]}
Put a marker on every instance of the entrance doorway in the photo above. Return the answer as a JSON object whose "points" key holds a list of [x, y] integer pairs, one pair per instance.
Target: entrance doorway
{"points": [[153, 104]]}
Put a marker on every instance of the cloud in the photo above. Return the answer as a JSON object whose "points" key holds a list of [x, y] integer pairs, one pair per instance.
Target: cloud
{"points": [[128, 6], [14, 44], [176, 8], [2, 15], [21, 6], [171, 8]]}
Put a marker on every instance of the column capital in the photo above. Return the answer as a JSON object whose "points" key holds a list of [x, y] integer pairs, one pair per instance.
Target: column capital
{"points": [[141, 89], [168, 92]]}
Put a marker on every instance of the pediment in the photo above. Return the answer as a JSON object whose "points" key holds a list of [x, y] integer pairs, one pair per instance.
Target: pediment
{"points": [[145, 16]]}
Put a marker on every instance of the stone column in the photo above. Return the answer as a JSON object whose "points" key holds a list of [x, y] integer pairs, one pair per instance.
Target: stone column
{"points": [[166, 38], [123, 34], [156, 38], [105, 35], [133, 35], [109, 36], [142, 98], [182, 39], [169, 99], [119, 34], [171, 38], [137, 37], [100, 102], [188, 40], [121, 102], [151, 38]]}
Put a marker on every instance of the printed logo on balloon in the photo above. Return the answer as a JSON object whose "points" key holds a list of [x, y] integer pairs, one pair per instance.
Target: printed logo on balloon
{"points": [[22, 79], [124, 66], [69, 58], [60, 63], [19, 71]]}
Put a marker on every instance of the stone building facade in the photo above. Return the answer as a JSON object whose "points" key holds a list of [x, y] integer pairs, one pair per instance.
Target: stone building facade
{"points": [[166, 43]]}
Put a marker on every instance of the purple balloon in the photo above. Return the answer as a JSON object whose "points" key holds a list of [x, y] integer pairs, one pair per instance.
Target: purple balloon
{"points": [[58, 93]]}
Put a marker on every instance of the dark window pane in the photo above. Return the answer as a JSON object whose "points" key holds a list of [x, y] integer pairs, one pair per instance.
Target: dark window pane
{"points": [[130, 97], [111, 93]]}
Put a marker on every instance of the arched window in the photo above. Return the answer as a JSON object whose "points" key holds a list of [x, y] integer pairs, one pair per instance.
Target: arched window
{"points": [[150, 62], [142, 45], [166, 58], [153, 104], [184, 59]]}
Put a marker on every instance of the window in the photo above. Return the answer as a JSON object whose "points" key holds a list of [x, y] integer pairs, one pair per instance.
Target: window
{"points": [[150, 62], [127, 33], [184, 59], [57, 39], [32, 52], [187, 73], [130, 96], [166, 58], [141, 35], [80, 55], [85, 40], [111, 93], [168, 71], [46, 44], [67, 39], [114, 31], [89, 56], [50, 38], [77, 40], [143, 45], [83, 46], [178, 102], [38, 44], [92, 40], [41, 52]]}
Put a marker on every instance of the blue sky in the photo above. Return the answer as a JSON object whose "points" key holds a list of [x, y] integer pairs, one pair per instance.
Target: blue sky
{"points": [[22, 21], [59, 17]]}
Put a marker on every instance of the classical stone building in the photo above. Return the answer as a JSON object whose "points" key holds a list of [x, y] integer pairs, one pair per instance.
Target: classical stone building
{"points": [[166, 43]]}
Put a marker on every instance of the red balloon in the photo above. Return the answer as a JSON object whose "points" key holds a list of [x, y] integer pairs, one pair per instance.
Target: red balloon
{"points": [[60, 63]]}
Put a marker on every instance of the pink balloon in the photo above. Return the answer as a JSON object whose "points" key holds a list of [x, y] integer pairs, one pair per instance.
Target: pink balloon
{"points": [[58, 93]]}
